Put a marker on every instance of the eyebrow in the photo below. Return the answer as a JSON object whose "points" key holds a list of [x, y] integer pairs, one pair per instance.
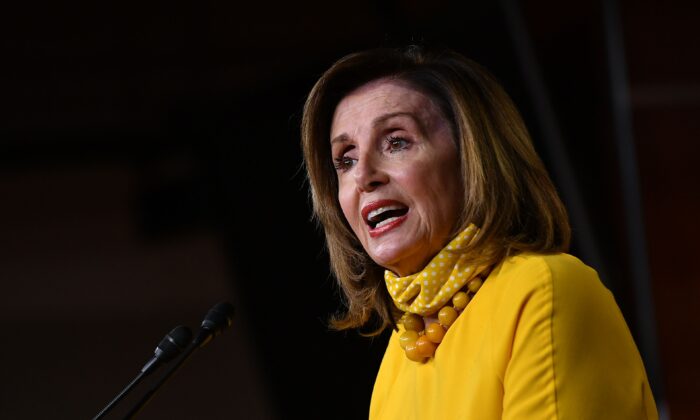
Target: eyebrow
{"points": [[342, 138]]}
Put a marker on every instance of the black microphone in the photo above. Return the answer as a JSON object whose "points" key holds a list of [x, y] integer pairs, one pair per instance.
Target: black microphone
{"points": [[215, 322], [170, 346]]}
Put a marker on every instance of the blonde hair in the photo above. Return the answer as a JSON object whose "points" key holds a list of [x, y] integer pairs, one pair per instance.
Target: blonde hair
{"points": [[507, 191]]}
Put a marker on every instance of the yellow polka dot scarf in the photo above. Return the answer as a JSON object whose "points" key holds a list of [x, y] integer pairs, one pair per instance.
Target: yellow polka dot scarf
{"points": [[427, 291]]}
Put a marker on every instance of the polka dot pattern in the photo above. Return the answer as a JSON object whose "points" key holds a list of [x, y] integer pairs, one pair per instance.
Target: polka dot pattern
{"points": [[421, 293]]}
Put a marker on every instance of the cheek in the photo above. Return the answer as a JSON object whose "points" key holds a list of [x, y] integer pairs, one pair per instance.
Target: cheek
{"points": [[348, 205], [450, 192], [435, 192], [423, 183]]}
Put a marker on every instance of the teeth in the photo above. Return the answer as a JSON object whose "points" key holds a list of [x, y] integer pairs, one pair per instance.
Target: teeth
{"points": [[376, 212], [384, 222]]}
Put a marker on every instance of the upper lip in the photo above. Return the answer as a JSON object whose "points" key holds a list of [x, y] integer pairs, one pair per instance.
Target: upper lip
{"points": [[378, 204]]}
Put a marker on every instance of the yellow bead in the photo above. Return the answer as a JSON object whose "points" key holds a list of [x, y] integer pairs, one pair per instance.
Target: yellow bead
{"points": [[413, 354], [460, 300], [475, 284], [408, 337], [413, 322], [426, 348], [447, 316], [435, 332]]}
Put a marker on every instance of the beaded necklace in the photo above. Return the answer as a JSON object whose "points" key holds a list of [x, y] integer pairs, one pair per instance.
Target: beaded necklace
{"points": [[420, 342], [448, 278]]}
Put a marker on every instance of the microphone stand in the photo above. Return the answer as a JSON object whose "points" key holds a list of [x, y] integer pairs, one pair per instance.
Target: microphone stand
{"points": [[168, 347], [217, 319], [200, 341], [121, 395]]}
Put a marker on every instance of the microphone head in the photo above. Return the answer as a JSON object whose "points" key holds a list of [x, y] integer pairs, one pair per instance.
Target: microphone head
{"points": [[218, 318], [173, 343]]}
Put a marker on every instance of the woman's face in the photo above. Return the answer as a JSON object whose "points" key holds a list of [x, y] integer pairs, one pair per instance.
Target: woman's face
{"points": [[398, 173]]}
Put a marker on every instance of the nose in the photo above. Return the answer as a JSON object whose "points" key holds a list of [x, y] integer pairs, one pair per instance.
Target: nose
{"points": [[369, 173]]}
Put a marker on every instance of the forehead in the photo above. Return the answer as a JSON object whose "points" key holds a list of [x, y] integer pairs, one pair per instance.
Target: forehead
{"points": [[379, 98]]}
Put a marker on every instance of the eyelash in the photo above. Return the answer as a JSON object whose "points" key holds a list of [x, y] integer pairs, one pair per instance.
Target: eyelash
{"points": [[343, 163], [393, 140]]}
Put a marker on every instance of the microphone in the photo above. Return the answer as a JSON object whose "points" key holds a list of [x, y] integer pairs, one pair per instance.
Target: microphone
{"points": [[215, 322], [170, 346]]}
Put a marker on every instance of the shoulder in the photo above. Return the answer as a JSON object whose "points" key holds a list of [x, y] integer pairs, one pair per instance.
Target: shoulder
{"points": [[563, 335], [556, 292], [545, 267], [561, 276], [577, 315]]}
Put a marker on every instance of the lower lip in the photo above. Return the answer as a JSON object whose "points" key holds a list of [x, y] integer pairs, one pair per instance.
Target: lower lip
{"points": [[386, 228]]}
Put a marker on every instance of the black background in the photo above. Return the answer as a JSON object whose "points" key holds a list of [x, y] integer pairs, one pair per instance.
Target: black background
{"points": [[150, 167]]}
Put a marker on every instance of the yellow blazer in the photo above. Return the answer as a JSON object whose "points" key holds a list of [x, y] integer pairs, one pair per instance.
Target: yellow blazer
{"points": [[542, 339]]}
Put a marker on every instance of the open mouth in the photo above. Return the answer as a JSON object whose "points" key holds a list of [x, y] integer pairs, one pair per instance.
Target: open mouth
{"points": [[384, 215]]}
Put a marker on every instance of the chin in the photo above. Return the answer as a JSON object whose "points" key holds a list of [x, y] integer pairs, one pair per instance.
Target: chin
{"points": [[399, 260]]}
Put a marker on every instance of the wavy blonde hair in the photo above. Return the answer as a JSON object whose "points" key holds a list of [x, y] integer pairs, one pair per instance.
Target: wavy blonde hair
{"points": [[507, 191]]}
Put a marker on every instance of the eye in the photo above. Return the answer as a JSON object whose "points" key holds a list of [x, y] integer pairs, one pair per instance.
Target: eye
{"points": [[396, 144], [343, 163]]}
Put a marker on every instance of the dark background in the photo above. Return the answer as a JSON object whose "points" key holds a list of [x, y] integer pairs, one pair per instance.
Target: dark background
{"points": [[150, 167]]}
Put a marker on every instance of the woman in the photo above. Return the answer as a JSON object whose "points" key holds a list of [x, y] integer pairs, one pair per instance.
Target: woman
{"points": [[442, 223]]}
